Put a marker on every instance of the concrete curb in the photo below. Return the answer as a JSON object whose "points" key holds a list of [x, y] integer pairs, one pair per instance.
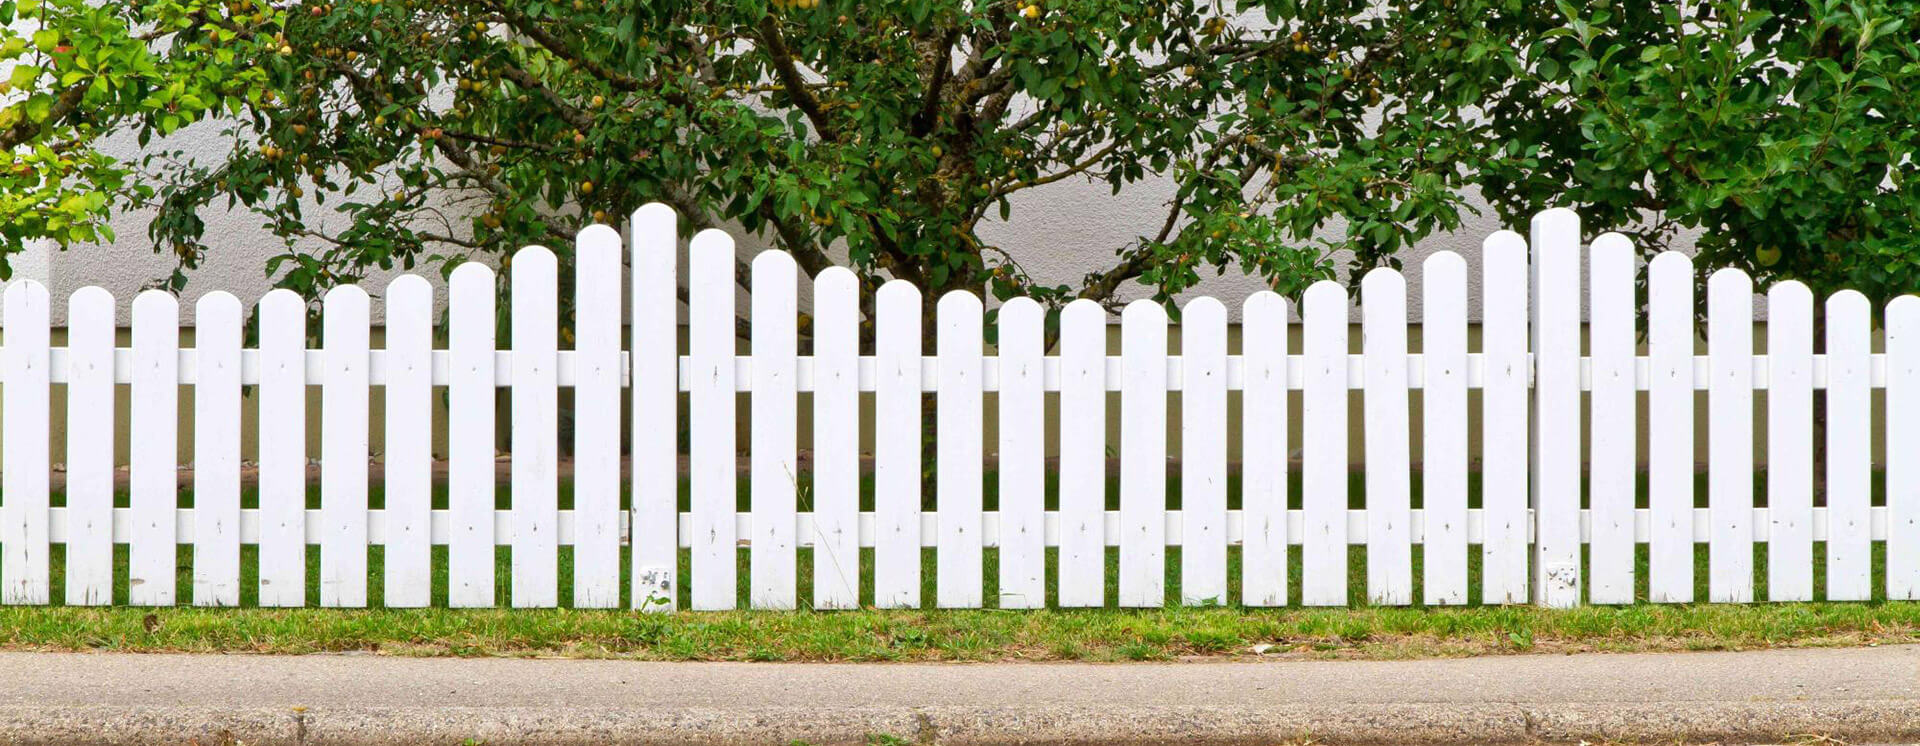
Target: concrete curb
{"points": [[1863, 721], [1858, 695]]}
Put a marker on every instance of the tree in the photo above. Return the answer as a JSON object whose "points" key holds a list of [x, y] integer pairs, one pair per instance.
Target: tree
{"points": [[1785, 131], [882, 134], [78, 72], [889, 131]]}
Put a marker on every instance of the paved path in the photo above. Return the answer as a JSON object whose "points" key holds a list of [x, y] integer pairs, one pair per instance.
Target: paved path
{"points": [[1860, 694]]}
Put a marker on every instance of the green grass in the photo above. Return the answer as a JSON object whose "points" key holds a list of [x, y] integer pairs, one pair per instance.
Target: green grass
{"points": [[925, 634], [966, 635]]}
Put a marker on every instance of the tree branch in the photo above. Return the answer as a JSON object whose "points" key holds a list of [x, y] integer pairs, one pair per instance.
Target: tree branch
{"points": [[789, 72], [559, 47], [27, 129]]}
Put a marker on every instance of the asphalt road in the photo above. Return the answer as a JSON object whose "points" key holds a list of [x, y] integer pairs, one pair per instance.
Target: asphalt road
{"points": [[1858, 694]]}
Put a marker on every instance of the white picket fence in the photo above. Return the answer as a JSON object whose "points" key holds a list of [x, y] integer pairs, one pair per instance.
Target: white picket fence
{"points": [[1529, 530]]}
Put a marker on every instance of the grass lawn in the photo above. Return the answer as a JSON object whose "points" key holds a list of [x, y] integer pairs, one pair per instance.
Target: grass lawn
{"points": [[937, 635]]}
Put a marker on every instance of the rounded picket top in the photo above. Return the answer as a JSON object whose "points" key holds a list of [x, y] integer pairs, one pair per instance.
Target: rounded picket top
{"points": [[25, 290], [1848, 301], [711, 241], [471, 273], [655, 214], [218, 304], [958, 301], [1902, 335], [405, 284], [1556, 219], [1729, 280], [1503, 246], [775, 260], [344, 303], [530, 259], [1206, 307], [597, 232], [1382, 280], [1021, 312], [343, 295], [1904, 309], [1790, 292], [89, 298], [1265, 303], [1446, 262], [898, 293], [1671, 261], [280, 301], [1082, 311], [154, 304], [1021, 307], [596, 239], [1325, 296], [1610, 243], [1143, 311], [836, 279]]}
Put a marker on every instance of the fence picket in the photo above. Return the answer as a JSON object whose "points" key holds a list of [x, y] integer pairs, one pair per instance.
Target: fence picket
{"points": [[1143, 454], [1849, 453], [896, 447], [283, 449], [655, 424], [1612, 423], [343, 448], [1670, 428], [1263, 450], [1556, 424], [713, 453], [90, 451], [836, 439], [1083, 454], [1730, 437], [535, 438], [1203, 452], [25, 514], [409, 438], [1323, 443], [1503, 419], [1383, 304], [1790, 442], [1023, 449], [1443, 479], [775, 473], [216, 451], [470, 435], [957, 440], [1903, 438], [596, 419], [153, 420]]}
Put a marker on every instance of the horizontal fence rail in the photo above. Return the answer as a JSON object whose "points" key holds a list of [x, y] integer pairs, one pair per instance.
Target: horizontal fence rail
{"points": [[805, 375], [1554, 517], [440, 531]]}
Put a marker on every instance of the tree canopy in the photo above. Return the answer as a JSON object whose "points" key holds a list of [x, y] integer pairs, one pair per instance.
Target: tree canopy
{"points": [[883, 134]]}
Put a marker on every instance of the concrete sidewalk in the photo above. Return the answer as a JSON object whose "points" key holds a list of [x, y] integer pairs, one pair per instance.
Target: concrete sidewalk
{"points": [[1858, 695]]}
